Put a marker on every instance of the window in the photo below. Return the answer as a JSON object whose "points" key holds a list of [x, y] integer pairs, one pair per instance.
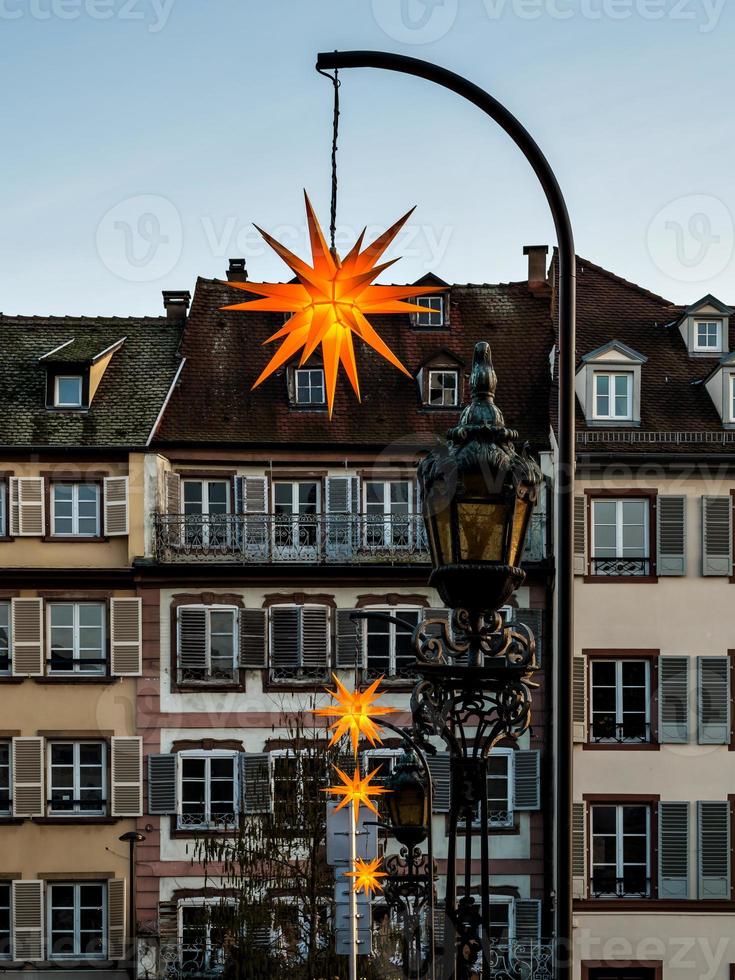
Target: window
{"points": [[75, 509], [208, 790], [501, 919], [202, 934], [206, 504], [621, 850], [443, 388], [298, 780], [620, 537], [295, 505], [620, 701], [499, 790], [387, 509], [76, 919], [613, 395], [299, 643], [5, 801], [5, 929], [76, 778], [77, 637], [708, 335], [68, 391], [434, 317], [388, 648], [309, 386], [4, 637], [207, 643]]}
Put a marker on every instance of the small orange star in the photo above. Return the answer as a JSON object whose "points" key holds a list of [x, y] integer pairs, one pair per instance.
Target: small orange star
{"points": [[354, 712], [365, 876], [357, 790]]}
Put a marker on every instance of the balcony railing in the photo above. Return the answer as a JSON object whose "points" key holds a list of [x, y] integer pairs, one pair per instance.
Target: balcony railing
{"points": [[329, 539], [621, 566], [605, 729], [634, 885]]}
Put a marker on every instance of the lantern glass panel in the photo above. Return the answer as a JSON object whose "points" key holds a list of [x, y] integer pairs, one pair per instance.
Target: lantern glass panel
{"points": [[518, 531], [443, 537], [481, 531], [407, 806]]}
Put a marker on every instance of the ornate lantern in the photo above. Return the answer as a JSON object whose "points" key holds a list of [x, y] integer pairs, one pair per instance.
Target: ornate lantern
{"points": [[408, 802]]}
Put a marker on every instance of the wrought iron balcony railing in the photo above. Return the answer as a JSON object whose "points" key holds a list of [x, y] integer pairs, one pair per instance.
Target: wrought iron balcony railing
{"points": [[633, 885], [623, 567], [606, 729]]}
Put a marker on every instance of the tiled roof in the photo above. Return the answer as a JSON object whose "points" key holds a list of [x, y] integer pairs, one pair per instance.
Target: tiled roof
{"points": [[213, 401], [129, 398]]}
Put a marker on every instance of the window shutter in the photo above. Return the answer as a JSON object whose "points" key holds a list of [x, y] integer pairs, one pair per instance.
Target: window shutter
{"points": [[284, 639], [126, 767], [173, 507], [580, 535], [534, 620], [350, 646], [672, 533], [162, 784], [713, 848], [713, 695], [28, 769], [440, 781], [126, 631], [192, 629], [256, 774], [27, 506], [315, 637], [673, 850], [716, 536], [579, 850], [28, 920], [579, 698], [673, 700], [254, 494], [252, 638], [27, 637], [116, 919], [341, 500], [526, 780], [115, 491], [528, 920]]}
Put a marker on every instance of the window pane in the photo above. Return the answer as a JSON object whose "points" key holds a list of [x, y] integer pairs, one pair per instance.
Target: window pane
{"points": [[69, 390], [603, 820], [634, 819]]}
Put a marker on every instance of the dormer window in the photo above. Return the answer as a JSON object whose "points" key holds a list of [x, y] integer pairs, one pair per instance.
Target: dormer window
{"points": [[613, 395], [443, 389], [68, 391], [608, 386], [434, 316], [708, 336], [705, 327], [309, 386]]}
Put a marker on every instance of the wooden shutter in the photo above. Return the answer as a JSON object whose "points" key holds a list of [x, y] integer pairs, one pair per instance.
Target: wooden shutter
{"points": [[115, 494], [116, 907], [534, 620], [713, 700], [673, 850], [28, 770], [441, 781], [579, 850], [672, 535], [253, 653], [349, 640], [716, 536], [27, 637], [27, 506], [162, 784], [713, 848], [315, 638], [580, 535], [579, 698], [253, 491], [126, 633], [256, 775], [126, 767], [173, 507], [528, 920], [673, 700], [526, 780], [284, 637], [28, 929], [341, 503], [192, 651]]}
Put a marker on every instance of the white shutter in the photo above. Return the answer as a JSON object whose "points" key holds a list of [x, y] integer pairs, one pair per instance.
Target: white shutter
{"points": [[716, 536], [115, 493], [27, 637], [579, 698], [713, 700], [349, 636], [28, 931], [256, 776], [673, 850], [253, 493], [580, 535], [28, 771], [526, 780], [579, 850], [673, 700], [439, 767], [713, 848], [192, 650], [126, 633], [27, 506], [253, 653], [315, 638], [672, 535], [527, 920], [126, 767], [116, 908]]}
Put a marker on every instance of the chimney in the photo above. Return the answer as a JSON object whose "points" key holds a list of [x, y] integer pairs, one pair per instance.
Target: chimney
{"points": [[176, 303], [237, 271], [536, 265]]}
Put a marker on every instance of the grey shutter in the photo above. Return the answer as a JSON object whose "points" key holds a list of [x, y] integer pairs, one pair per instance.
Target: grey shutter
{"points": [[579, 698], [713, 700], [534, 620], [713, 848], [716, 536], [192, 630], [349, 636], [526, 780], [579, 850], [28, 930], [672, 536], [341, 500], [440, 781], [162, 784], [284, 637], [256, 776], [253, 493], [253, 652], [527, 920], [673, 700], [580, 535], [673, 850], [315, 639]]}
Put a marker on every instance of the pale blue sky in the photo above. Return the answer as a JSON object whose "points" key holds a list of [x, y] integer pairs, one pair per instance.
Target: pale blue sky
{"points": [[142, 137]]}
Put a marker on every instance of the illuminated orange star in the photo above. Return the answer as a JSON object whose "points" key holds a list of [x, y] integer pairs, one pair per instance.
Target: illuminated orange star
{"points": [[330, 301], [357, 790], [365, 876], [354, 712]]}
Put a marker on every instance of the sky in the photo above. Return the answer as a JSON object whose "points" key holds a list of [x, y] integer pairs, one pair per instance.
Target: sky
{"points": [[142, 139]]}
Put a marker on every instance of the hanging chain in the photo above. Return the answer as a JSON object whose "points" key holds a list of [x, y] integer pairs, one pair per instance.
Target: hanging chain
{"points": [[335, 134]]}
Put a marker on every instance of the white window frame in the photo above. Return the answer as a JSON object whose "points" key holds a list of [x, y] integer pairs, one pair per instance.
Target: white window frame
{"points": [[77, 810], [76, 885], [234, 611], [311, 387], [715, 348], [75, 532], [436, 317], [213, 957], [9, 885], [509, 755], [206, 532], [297, 756], [388, 515], [619, 689], [443, 404], [611, 376], [6, 604], [77, 665], [399, 612], [207, 755], [7, 811], [68, 377], [298, 520], [619, 841], [619, 526]]}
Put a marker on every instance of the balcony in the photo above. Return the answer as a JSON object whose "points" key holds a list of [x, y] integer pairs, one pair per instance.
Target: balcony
{"points": [[321, 539], [624, 567]]}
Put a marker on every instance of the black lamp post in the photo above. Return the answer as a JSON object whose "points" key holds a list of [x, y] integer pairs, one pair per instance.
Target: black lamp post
{"points": [[132, 837]]}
